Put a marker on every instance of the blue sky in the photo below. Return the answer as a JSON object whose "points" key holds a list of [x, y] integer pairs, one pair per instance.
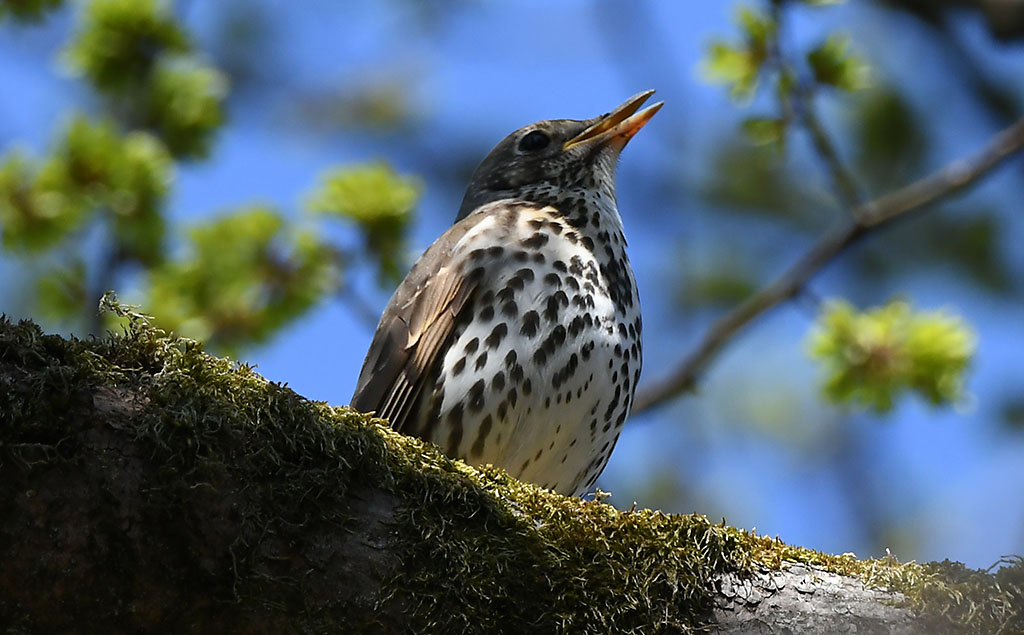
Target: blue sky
{"points": [[756, 444]]}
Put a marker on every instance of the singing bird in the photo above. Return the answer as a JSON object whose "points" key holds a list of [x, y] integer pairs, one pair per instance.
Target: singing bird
{"points": [[515, 338]]}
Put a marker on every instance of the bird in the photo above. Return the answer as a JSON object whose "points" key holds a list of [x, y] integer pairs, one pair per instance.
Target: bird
{"points": [[515, 339]]}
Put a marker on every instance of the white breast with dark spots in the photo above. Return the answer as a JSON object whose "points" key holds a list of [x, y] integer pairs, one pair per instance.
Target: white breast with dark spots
{"points": [[539, 381]]}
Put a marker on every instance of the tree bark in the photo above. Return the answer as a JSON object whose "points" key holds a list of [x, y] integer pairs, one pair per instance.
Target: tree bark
{"points": [[145, 486], [808, 599]]}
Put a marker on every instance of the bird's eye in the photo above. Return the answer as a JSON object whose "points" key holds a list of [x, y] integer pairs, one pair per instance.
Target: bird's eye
{"points": [[533, 141]]}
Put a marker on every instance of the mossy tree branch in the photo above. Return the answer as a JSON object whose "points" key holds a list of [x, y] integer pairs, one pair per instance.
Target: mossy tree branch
{"points": [[145, 486]]}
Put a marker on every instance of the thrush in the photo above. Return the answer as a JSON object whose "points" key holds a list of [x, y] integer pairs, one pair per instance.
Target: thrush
{"points": [[515, 338]]}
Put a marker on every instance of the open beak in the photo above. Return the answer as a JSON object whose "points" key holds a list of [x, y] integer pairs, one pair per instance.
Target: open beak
{"points": [[618, 127]]}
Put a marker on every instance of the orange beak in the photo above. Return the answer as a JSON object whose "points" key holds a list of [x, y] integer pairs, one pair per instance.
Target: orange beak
{"points": [[618, 127]]}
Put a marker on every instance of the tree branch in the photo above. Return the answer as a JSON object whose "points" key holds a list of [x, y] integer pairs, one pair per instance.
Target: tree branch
{"points": [[798, 104], [865, 219], [842, 180], [146, 486]]}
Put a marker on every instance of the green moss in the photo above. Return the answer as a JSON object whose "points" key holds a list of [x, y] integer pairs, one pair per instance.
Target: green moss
{"points": [[480, 551]]}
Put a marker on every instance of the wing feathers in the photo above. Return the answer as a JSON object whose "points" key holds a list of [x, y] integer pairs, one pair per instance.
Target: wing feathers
{"points": [[412, 333]]}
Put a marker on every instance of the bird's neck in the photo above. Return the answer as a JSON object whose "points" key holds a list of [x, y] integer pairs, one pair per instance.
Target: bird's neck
{"points": [[591, 210]]}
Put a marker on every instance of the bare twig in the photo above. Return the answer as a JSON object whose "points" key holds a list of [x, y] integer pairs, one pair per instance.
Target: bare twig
{"points": [[867, 218], [798, 104], [843, 183]]}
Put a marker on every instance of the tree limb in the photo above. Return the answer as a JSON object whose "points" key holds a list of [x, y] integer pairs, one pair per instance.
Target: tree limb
{"points": [[148, 487], [865, 219]]}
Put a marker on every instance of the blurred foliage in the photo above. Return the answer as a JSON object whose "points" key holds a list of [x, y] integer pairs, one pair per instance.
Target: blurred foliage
{"points": [[118, 42], [37, 207], [766, 131], [64, 290], [245, 275], [379, 201], [184, 105], [890, 143], [137, 53], [758, 181], [92, 169], [967, 243], [27, 10], [876, 356], [832, 64], [240, 277], [742, 66], [872, 357], [126, 177], [739, 65], [382, 105], [758, 59], [722, 281]]}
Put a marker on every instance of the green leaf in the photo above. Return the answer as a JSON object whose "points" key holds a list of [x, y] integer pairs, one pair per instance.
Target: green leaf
{"points": [[732, 66], [92, 168], [119, 41], [378, 200], [38, 206], [739, 66], [366, 194], [833, 65], [872, 357], [758, 29]]}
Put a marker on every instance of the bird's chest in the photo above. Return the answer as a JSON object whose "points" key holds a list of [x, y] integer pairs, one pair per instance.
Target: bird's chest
{"points": [[541, 373]]}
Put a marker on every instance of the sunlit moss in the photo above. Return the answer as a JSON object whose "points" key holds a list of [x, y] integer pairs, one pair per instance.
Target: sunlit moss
{"points": [[480, 551]]}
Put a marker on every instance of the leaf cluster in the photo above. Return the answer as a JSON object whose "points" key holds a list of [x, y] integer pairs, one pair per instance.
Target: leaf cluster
{"points": [[378, 200], [756, 59], [240, 276], [873, 356]]}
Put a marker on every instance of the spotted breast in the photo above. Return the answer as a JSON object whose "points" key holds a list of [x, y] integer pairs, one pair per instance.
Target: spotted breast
{"points": [[515, 340]]}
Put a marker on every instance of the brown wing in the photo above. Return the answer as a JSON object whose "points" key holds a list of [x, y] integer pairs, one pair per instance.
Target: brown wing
{"points": [[415, 325]]}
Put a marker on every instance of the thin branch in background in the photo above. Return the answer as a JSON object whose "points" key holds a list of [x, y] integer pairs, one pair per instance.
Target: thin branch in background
{"points": [[843, 183], [798, 104], [866, 219]]}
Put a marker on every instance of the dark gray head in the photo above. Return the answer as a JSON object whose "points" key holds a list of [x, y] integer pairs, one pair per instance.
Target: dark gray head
{"points": [[557, 155]]}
